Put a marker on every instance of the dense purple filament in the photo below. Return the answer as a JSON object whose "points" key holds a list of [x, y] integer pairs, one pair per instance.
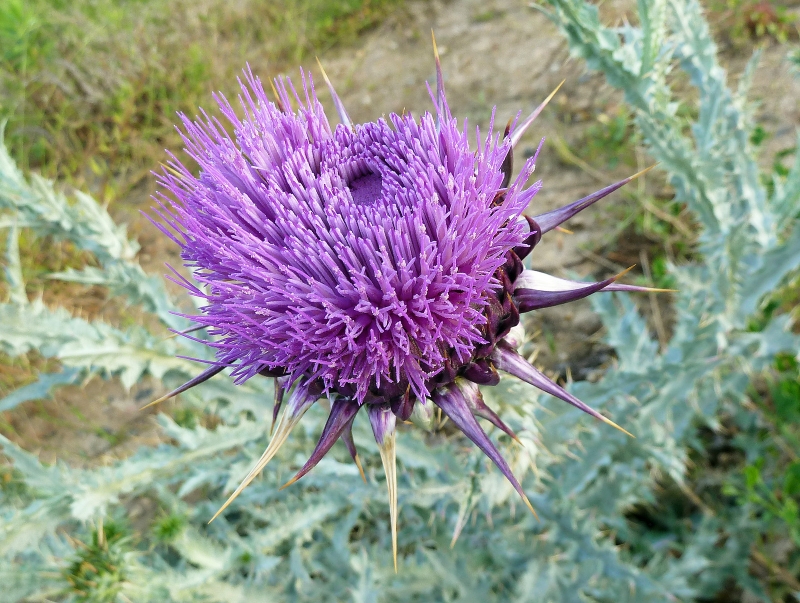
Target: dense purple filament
{"points": [[362, 257]]}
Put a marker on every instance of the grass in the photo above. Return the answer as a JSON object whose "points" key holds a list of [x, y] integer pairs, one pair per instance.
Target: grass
{"points": [[90, 88], [744, 22], [609, 141], [763, 473]]}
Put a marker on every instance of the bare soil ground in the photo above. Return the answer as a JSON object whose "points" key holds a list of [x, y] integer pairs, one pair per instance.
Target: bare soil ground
{"points": [[500, 53]]}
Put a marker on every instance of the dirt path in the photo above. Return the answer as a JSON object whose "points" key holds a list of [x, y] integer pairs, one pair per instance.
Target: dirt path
{"points": [[499, 53]]}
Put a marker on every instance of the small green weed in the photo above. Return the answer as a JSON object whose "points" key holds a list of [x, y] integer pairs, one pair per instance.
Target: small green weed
{"points": [[746, 21], [779, 168], [758, 136], [778, 165], [169, 527], [794, 61], [185, 416], [12, 484], [772, 499], [97, 573], [770, 481], [609, 140], [487, 15]]}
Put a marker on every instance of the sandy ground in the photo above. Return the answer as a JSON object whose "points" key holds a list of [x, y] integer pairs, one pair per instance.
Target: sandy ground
{"points": [[501, 53]]}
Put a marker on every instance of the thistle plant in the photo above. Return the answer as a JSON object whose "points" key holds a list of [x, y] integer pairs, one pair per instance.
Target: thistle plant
{"points": [[379, 265], [326, 538]]}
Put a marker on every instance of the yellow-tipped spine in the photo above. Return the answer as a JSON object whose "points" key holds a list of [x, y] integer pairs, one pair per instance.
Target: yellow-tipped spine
{"points": [[388, 453], [360, 468], [530, 507], [285, 425], [615, 426]]}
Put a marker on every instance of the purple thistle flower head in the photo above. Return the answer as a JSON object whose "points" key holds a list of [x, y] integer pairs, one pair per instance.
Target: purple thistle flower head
{"points": [[363, 257], [378, 264]]}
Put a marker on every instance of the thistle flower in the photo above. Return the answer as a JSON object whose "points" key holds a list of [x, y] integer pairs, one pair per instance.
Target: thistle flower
{"points": [[379, 265]]}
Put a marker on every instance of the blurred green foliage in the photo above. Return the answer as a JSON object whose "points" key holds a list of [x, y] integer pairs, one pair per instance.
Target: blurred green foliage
{"points": [[610, 140], [90, 88], [743, 21], [97, 572]]}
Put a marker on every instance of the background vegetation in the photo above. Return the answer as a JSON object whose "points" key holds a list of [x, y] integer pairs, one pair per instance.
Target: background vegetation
{"points": [[702, 506]]}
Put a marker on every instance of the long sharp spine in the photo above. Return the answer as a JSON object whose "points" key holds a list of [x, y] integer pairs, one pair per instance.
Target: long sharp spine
{"points": [[347, 438], [516, 135], [550, 220], [383, 426], [204, 376], [341, 417], [511, 362], [300, 400], [453, 403], [337, 102]]}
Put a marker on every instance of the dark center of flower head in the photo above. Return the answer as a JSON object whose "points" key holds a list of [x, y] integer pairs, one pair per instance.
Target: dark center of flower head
{"points": [[366, 189]]}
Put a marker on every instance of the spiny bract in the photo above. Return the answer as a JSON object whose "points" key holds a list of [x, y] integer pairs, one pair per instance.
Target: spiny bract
{"points": [[379, 264]]}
